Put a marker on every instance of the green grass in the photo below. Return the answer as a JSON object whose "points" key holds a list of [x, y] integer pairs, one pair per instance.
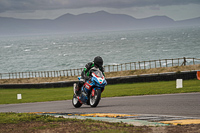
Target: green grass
{"points": [[14, 118], [8, 96]]}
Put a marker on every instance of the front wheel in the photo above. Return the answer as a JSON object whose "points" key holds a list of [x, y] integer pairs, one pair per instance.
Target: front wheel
{"points": [[76, 102], [94, 100]]}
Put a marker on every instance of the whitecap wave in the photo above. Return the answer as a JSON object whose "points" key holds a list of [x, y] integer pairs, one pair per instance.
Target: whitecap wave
{"points": [[65, 54], [8, 46], [27, 50], [123, 38]]}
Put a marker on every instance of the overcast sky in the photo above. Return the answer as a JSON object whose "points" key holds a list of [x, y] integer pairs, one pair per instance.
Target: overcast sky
{"points": [[51, 9]]}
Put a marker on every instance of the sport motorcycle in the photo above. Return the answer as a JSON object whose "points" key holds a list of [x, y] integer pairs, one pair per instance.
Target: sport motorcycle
{"points": [[90, 92]]}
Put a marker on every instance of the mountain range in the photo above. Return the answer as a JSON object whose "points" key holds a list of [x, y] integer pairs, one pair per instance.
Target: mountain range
{"points": [[88, 22]]}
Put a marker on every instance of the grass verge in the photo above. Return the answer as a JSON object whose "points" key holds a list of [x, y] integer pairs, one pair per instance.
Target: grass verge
{"points": [[24, 122], [32, 123], [8, 96]]}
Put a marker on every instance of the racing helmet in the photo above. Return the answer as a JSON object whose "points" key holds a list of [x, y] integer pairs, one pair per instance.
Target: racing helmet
{"points": [[98, 61]]}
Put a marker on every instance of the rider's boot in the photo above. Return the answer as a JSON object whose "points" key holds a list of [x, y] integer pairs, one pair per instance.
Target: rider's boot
{"points": [[77, 90], [78, 87]]}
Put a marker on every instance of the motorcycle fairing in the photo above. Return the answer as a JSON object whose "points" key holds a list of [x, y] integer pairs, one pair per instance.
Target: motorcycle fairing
{"points": [[88, 85]]}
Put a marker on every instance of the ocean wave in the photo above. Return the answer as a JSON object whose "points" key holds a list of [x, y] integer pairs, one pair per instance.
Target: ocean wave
{"points": [[27, 50], [8, 46], [123, 38]]}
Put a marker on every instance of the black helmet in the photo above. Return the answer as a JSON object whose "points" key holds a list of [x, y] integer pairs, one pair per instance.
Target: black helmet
{"points": [[98, 61]]}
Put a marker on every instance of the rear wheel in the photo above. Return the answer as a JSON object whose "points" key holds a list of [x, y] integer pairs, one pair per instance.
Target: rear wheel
{"points": [[94, 100], [76, 102]]}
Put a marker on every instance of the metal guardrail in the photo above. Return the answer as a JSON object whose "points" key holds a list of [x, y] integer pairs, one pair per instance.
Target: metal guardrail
{"points": [[108, 68]]}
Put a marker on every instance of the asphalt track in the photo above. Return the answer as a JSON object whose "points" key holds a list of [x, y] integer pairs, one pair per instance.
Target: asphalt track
{"points": [[184, 104]]}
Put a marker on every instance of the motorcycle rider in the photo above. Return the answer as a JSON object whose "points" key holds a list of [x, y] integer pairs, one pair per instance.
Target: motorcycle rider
{"points": [[97, 63]]}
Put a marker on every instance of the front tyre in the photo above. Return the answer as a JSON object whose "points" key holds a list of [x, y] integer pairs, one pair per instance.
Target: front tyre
{"points": [[76, 102], [94, 100]]}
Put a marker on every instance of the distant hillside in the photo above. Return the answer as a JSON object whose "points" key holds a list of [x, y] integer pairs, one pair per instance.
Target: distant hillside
{"points": [[86, 22], [194, 21]]}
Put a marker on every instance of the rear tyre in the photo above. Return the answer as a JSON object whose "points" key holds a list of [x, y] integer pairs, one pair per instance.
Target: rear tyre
{"points": [[94, 100], [75, 102]]}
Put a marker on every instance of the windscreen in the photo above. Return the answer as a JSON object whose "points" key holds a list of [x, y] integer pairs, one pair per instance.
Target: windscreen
{"points": [[98, 73]]}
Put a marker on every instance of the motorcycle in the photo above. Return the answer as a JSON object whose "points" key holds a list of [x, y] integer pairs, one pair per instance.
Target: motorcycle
{"points": [[90, 92]]}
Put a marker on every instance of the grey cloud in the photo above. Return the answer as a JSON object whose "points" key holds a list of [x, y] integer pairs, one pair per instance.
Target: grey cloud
{"points": [[14, 5]]}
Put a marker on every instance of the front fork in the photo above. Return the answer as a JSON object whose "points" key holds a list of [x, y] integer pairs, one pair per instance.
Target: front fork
{"points": [[93, 92]]}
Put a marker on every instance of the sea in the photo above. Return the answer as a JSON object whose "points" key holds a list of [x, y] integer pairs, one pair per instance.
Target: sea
{"points": [[25, 53]]}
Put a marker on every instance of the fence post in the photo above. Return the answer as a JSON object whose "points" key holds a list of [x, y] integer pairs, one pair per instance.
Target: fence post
{"points": [[57, 73], [139, 65], [178, 61], [160, 63], [71, 71]]}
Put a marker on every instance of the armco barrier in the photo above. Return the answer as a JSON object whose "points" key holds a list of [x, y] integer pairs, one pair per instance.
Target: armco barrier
{"points": [[153, 77], [185, 75]]}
